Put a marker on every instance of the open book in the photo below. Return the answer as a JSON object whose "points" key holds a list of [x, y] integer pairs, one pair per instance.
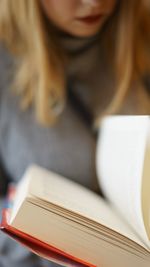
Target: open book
{"points": [[67, 223]]}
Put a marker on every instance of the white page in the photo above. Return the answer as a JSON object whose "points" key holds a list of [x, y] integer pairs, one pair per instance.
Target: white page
{"points": [[119, 161], [146, 189], [58, 190]]}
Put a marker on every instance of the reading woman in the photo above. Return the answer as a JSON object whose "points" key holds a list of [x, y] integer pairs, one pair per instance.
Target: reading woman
{"points": [[63, 65]]}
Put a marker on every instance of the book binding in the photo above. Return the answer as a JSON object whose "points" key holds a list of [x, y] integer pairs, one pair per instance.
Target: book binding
{"points": [[36, 246]]}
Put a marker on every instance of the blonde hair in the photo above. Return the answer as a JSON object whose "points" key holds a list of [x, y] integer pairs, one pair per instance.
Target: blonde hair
{"points": [[40, 78]]}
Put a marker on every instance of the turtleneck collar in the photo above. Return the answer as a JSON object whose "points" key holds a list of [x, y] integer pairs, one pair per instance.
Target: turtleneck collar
{"points": [[76, 45]]}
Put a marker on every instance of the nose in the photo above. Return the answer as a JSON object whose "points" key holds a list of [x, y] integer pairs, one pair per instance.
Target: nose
{"points": [[92, 3]]}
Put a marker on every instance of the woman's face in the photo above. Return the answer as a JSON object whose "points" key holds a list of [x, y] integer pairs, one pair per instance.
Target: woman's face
{"points": [[82, 18]]}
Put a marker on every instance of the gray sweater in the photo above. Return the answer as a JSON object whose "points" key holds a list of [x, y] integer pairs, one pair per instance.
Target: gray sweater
{"points": [[69, 147]]}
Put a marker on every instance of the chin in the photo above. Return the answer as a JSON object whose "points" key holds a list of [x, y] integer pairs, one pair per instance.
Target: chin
{"points": [[84, 33]]}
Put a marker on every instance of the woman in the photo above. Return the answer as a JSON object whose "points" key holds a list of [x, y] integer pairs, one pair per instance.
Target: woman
{"points": [[69, 62]]}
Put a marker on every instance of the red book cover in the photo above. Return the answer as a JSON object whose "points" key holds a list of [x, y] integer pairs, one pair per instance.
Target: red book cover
{"points": [[36, 246]]}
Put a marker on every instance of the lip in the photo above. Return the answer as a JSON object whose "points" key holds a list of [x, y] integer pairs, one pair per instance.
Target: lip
{"points": [[91, 19]]}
